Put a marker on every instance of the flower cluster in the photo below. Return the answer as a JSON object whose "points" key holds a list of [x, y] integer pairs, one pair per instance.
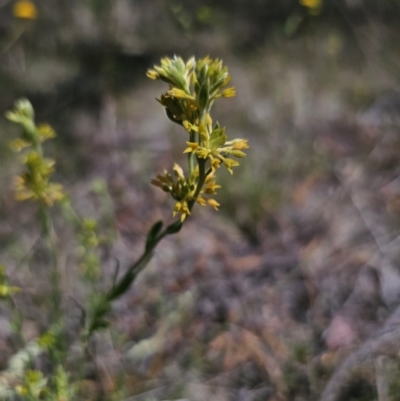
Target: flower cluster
{"points": [[88, 247], [34, 183], [193, 88], [183, 190], [33, 386]]}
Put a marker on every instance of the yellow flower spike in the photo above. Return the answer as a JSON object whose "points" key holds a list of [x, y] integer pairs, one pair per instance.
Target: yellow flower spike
{"points": [[25, 10], [193, 88]]}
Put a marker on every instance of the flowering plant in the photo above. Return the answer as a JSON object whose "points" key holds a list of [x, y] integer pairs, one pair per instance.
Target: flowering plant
{"points": [[193, 89]]}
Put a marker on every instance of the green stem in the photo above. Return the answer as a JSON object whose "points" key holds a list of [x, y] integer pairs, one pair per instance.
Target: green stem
{"points": [[191, 155], [124, 283], [16, 35], [54, 273], [202, 177], [17, 320]]}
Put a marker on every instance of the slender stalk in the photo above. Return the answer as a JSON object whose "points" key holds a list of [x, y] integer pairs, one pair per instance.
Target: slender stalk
{"points": [[17, 320], [55, 278], [191, 155]]}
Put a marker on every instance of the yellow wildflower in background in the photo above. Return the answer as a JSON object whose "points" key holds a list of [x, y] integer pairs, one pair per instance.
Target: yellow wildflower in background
{"points": [[314, 6], [5, 289], [25, 9], [35, 182]]}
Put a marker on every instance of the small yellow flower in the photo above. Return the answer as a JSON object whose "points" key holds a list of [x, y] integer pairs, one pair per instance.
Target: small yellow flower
{"points": [[180, 94], [213, 203], [25, 9], [192, 147], [18, 144], [183, 208], [47, 340], [6, 290], [229, 92], [201, 201], [229, 163], [190, 127], [314, 6], [45, 132], [238, 153], [239, 144], [152, 75]]}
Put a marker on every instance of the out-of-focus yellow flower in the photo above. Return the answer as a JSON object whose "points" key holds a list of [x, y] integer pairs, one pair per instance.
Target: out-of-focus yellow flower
{"points": [[34, 385], [314, 6], [5, 289], [35, 182], [47, 340], [229, 92], [18, 144], [25, 9]]}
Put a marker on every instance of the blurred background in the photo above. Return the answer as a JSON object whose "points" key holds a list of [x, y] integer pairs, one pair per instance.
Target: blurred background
{"points": [[264, 299]]}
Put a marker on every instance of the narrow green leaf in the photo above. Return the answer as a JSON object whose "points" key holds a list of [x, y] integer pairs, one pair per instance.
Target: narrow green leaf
{"points": [[174, 228], [153, 233], [203, 96], [218, 138]]}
